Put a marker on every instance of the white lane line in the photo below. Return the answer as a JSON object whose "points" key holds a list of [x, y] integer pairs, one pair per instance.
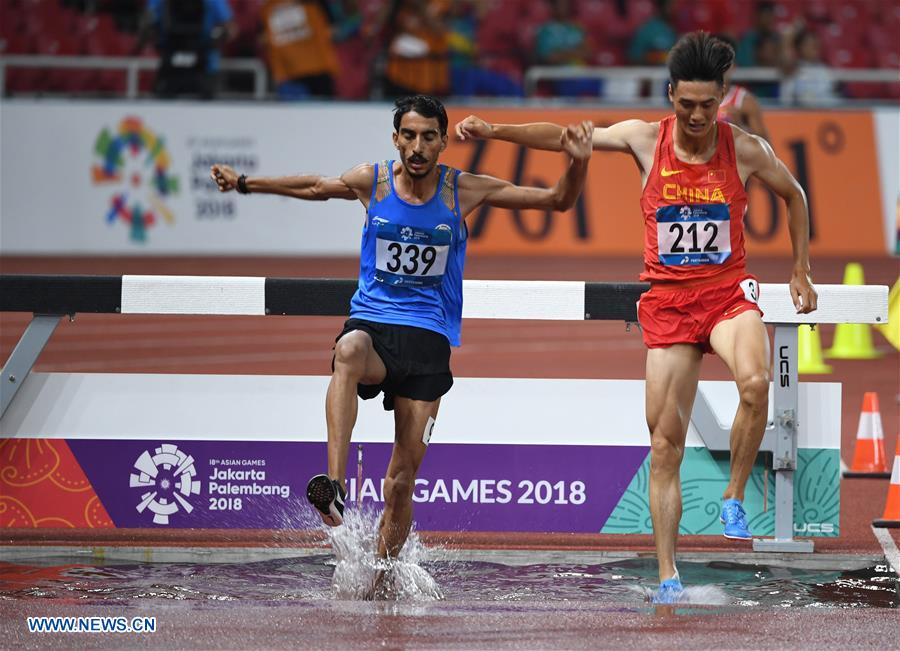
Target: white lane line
{"points": [[891, 553], [843, 466]]}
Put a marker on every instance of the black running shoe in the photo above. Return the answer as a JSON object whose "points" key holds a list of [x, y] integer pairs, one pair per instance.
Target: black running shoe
{"points": [[327, 496]]}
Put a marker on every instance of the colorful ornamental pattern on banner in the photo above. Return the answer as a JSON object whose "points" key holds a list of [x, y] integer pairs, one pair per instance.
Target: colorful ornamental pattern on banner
{"points": [[42, 485], [134, 162]]}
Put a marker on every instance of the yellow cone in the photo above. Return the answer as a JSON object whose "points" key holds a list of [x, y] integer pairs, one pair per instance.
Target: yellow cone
{"points": [[809, 352], [852, 340], [891, 329]]}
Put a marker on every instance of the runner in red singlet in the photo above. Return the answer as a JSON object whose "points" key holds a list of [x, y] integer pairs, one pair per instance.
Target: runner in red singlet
{"points": [[694, 169]]}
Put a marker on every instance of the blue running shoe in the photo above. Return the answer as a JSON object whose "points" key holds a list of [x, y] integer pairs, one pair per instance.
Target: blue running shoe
{"points": [[735, 520], [669, 591]]}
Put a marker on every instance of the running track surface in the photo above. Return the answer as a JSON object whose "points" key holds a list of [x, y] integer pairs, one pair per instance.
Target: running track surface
{"points": [[302, 346]]}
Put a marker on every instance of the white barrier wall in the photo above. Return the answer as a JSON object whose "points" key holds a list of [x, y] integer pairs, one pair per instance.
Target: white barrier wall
{"points": [[113, 178], [505, 455]]}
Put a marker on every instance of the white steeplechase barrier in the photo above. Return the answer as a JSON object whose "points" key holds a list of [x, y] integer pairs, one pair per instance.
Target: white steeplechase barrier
{"points": [[233, 451]]}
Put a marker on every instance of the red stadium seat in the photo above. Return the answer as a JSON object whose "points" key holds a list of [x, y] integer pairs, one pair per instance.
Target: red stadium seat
{"points": [[855, 56], [638, 12], [887, 58], [786, 13], [864, 90], [537, 12], [25, 80], [817, 11], [20, 43], [603, 23]]}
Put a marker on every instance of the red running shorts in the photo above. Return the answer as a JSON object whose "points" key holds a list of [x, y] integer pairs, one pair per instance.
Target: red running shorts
{"points": [[686, 313]]}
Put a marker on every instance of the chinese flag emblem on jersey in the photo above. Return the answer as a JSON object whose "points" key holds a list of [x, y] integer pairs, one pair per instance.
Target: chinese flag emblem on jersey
{"points": [[715, 176]]}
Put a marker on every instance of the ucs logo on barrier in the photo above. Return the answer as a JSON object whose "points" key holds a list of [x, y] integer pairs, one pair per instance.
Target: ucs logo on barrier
{"points": [[134, 163], [169, 475]]}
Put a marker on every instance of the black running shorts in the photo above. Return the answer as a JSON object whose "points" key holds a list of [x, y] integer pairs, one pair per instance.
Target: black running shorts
{"points": [[417, 361]]}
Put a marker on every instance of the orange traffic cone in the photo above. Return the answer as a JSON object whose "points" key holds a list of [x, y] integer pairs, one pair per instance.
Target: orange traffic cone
{"points": [[891, 517], [868, 459]]}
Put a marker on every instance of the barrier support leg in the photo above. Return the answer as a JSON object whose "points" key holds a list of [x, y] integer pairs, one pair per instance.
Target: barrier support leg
{"points": [[24, 355], [786, 408]]}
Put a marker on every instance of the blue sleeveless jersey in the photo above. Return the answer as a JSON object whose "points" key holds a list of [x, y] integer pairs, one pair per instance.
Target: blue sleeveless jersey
{"points": [[412, 257]]}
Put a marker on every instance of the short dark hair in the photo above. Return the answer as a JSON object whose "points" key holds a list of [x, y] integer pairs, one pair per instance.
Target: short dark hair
{"points": [[728, 39], [699, 56], [425, 105]]}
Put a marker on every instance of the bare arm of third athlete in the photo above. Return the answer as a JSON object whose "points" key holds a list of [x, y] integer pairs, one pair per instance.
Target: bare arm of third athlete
{"points": [[478, 189], [753, 116], [353, 184], [756, 158]]}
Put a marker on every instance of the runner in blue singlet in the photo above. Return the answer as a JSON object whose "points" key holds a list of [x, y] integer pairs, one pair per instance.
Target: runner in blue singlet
{"points": [[407, 310]]}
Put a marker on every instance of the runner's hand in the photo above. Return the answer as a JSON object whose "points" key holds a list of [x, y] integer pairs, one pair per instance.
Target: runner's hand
{"points": [[577, 140], [475, 128], [803, 293], [224, 176]]}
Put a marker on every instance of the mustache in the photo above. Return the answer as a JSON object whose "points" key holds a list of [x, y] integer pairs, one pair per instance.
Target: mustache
{"points": [[415, 158]]}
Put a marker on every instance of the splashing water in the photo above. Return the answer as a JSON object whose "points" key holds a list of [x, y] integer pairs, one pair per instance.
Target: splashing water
{"points": [[356, 565], [697, 595]]}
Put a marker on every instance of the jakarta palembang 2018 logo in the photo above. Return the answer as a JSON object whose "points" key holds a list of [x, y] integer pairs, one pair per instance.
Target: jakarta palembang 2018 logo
{"points": [[168, 476], [134, 163]]}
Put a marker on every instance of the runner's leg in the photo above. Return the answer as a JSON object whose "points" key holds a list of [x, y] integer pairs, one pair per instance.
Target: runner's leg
{"points": [[355, 362], [671, 386], [743, 344], [410, 418]]}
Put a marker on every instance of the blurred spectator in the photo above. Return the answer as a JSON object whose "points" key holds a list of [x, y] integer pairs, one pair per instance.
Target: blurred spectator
{"points": [[655, 37], [417, 48], [347, 19], [561, 41], [763, 29], [468, 75], [739, 106], [811, 81], [355, 47], [298, 47], [188, 36], [768, 55]]}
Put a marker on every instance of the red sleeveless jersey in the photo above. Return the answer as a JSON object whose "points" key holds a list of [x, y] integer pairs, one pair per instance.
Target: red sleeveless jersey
{"points": [[734, 97], [693, 213]]}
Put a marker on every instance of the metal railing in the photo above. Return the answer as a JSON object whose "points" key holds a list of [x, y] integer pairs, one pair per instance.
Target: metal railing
{"points": [[658, 75], [623, 78], [132, 67]]}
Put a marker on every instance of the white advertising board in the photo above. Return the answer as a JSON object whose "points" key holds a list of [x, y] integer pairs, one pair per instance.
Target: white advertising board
{"points": [[133, 177]]}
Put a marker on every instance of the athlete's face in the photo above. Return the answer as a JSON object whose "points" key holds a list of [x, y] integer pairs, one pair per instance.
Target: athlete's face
{"points": [[419, 142], [696, 105]]}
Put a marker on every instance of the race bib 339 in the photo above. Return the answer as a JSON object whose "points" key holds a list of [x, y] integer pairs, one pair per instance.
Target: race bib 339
{"points": [[411, 256]]}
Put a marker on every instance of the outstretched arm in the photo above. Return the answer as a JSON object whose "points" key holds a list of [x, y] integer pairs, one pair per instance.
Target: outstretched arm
{"points": [[754, 117], [756, 155], [354, 184], [622, 136], [575, 140]]}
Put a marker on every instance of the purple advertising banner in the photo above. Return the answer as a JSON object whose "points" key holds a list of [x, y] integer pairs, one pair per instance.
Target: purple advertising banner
{"points": [[260, 485]]}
